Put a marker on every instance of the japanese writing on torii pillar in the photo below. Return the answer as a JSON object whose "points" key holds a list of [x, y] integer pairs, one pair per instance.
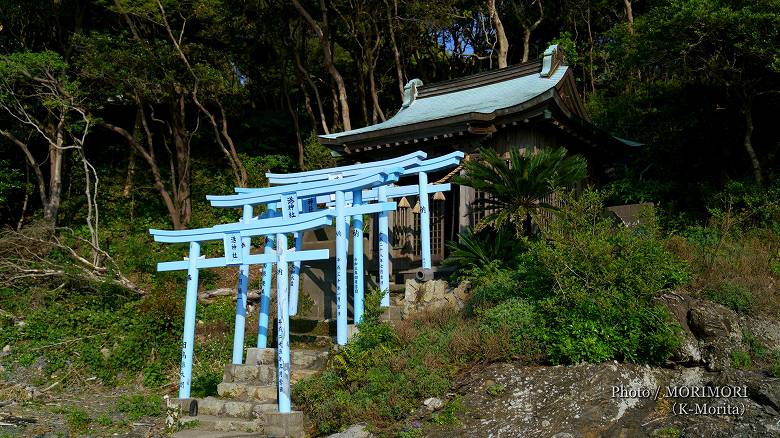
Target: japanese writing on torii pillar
{"points": [[292, 209]]}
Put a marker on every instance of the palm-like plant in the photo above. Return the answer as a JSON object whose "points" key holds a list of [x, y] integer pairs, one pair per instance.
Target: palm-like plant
{"points": [[516, 187], [475, 249]]}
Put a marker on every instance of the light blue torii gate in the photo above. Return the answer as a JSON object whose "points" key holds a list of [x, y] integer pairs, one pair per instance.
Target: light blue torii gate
{"points": [[413, 164], [291, 196], [237, 253]]}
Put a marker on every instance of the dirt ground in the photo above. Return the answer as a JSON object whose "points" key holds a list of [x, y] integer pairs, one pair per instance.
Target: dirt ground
{"points": [[35, 405]]}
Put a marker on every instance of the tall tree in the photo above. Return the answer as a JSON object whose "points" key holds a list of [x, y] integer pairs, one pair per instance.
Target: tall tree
{"points": [[325, 43], [37, 99], [503, 43], [530, 14]]}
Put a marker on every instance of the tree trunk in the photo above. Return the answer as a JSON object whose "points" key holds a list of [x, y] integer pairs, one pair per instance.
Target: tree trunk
{"points": [[168, 200], [328, 58], [748, 143], [526, 43], [362, 89], [183, 170], [130, 179], [394, 45], [629, 15], [36, 167], [304, 74], [56, 153], [503, 43], [590, 55], [335, 100], [296, 125], [375, 97]]}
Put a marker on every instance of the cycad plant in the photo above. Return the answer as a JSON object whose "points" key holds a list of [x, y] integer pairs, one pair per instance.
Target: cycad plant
{"points": [[476, 249], [516, 187]]}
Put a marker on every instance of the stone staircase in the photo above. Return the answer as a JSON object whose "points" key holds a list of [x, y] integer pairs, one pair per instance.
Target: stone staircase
{"points": [[247, 399]]}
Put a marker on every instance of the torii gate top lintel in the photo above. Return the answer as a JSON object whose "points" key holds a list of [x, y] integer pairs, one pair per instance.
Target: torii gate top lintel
{"points": [[352, 169], [313, 188]]}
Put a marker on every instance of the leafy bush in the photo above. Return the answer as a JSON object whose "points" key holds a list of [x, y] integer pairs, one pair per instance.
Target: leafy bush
{"points": [[585, 291], [732, 295], [491, 284], [476, 249], [382, 374], [519, 320]]}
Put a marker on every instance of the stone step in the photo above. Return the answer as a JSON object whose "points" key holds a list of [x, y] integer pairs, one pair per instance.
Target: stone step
{"points": [[299, 359], [260, 374], [308, 342], [271, 424], [234, 408], [248, 392]]}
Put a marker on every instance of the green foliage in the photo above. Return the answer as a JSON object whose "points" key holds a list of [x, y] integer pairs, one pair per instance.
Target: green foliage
{"points": [[154, 375], [604, 280], [754, 206], [10, 181], [491, 284], [475, 249], [258, 165], [568, 45], [516, 186], [376, 377], [98, 327], [372, 306], [667, 432], [448, 415], [732, 295], [496, 389], [519, 320], [585, 292], [78, 419], [315, 155], [741, 359], [221, 309], [138, 406], [204, 383]]}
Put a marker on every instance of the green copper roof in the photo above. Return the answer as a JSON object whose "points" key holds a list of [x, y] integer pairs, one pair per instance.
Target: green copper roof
{"points": [[486, 99]]}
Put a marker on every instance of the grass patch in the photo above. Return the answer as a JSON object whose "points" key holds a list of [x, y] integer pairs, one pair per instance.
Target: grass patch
{"points": [[138, 406], [732, 295]]}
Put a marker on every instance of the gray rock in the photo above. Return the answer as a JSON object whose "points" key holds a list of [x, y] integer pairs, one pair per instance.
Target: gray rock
{"points": [[433, 403], [356, 431]]}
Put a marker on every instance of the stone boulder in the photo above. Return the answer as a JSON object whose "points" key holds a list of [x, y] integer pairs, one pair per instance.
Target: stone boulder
{"points": [[613, 400], [431, 295], [711, 333]]}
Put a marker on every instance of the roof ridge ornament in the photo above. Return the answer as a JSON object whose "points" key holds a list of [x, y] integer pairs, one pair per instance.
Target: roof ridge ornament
{"points": [[410, 92], [553, 57]]}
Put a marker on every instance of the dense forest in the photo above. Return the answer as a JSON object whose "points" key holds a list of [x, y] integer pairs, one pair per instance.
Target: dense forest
{"points": [[105, 102]]}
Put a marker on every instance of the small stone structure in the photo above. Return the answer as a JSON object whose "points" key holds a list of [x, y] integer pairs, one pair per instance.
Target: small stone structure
{"points": [[431, 295]]}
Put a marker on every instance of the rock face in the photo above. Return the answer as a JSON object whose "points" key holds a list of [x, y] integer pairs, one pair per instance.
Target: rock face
{"points": [[711, 333], [615, 400], [698, 394], [430, 295]]}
